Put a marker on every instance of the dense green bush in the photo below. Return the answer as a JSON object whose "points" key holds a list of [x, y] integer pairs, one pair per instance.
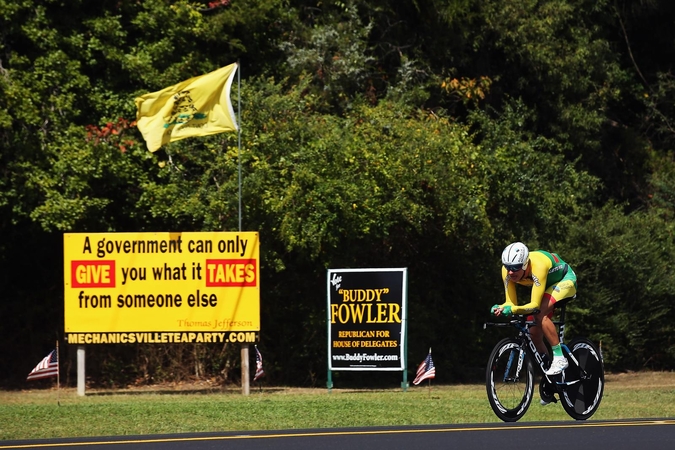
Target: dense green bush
{"points": [[424, 134], [625, 286]]}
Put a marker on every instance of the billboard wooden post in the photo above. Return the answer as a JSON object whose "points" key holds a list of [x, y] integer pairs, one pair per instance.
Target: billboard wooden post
{"points": [[245, 382], [81, 374]]}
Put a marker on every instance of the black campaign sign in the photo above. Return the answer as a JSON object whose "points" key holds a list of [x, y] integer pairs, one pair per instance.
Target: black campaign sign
{"points": [[366, 319]]}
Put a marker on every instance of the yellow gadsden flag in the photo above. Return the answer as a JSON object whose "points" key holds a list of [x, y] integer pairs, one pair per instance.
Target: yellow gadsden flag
{"points": [[199, 106]]}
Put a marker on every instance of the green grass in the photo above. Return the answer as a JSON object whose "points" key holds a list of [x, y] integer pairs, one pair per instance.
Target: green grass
{"points": [[36, 414]]}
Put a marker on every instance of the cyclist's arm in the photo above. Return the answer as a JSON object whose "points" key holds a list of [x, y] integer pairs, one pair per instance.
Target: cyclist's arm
{"points": [[509, 289], [511, 297]]}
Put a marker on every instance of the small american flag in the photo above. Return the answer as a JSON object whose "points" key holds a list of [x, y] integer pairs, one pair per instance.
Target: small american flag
{"points": [[425, 370], [48, 367], [259, 372]]}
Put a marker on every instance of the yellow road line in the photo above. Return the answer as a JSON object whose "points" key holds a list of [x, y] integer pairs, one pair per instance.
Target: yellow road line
{"points": [[351, 433]]}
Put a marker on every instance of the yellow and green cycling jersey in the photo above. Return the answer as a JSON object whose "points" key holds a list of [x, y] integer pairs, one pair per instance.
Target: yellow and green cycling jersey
{"points": [[548, 275]]}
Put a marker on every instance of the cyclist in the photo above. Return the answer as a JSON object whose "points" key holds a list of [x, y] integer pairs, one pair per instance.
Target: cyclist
{"points": [[552, 280]]}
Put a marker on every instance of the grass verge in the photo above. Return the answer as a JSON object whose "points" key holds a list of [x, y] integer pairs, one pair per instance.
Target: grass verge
{"points": [[35, 414]]}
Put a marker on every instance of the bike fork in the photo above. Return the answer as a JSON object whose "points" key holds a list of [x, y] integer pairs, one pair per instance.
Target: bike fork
{"points": [[512, 356]]}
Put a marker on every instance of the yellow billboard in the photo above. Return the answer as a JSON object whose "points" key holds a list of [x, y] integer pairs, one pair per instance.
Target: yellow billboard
{"points": [[162, 287]]}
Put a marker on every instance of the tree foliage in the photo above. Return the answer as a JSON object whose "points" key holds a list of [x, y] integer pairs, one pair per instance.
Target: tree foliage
{"points": [[424, 134], [624, 265]]}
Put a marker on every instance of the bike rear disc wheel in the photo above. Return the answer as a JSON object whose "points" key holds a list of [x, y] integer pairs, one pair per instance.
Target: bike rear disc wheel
{"points": [[509, 380], [582, 399]]}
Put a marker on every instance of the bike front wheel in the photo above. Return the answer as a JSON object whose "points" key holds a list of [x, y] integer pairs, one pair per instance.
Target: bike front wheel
{"points": [[584, 381], [509, 380]]}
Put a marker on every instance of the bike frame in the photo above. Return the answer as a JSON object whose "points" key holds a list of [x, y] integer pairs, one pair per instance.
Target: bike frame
{"points": [[510, 373], [527, 344]]}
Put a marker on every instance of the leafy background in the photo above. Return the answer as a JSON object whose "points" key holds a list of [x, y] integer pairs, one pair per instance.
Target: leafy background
{"points": [[425, 134]]}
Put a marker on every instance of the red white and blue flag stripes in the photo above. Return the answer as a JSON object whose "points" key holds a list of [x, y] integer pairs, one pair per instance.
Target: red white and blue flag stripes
{"points": [[426, 370], [48, 367], [259, 372]]}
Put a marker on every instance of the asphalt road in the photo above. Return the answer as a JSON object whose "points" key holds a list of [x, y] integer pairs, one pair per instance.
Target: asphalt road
{"points": [[651, 434]]}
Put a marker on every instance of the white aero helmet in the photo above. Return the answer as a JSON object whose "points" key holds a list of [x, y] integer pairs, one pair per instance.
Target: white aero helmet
{"points": [[515, 256]]}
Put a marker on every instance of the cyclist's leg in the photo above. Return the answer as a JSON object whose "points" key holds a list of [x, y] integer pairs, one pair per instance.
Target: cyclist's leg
{"points": [[537, 333], [544, 326], [563, 289]]}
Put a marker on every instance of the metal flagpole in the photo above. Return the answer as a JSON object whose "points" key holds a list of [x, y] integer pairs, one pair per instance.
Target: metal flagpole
{"points": [[429, 379], [58, 375], [239, 134], [245, 383]]}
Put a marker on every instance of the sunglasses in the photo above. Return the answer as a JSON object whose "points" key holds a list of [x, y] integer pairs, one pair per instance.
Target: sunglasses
{"points": [[513, 267]]}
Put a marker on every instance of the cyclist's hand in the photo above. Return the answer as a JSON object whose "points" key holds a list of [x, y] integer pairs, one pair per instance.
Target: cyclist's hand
{"points": [[498, 310]]}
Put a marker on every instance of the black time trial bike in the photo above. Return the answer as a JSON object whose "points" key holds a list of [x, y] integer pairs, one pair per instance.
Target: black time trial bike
{"points": [[510, 374]]}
